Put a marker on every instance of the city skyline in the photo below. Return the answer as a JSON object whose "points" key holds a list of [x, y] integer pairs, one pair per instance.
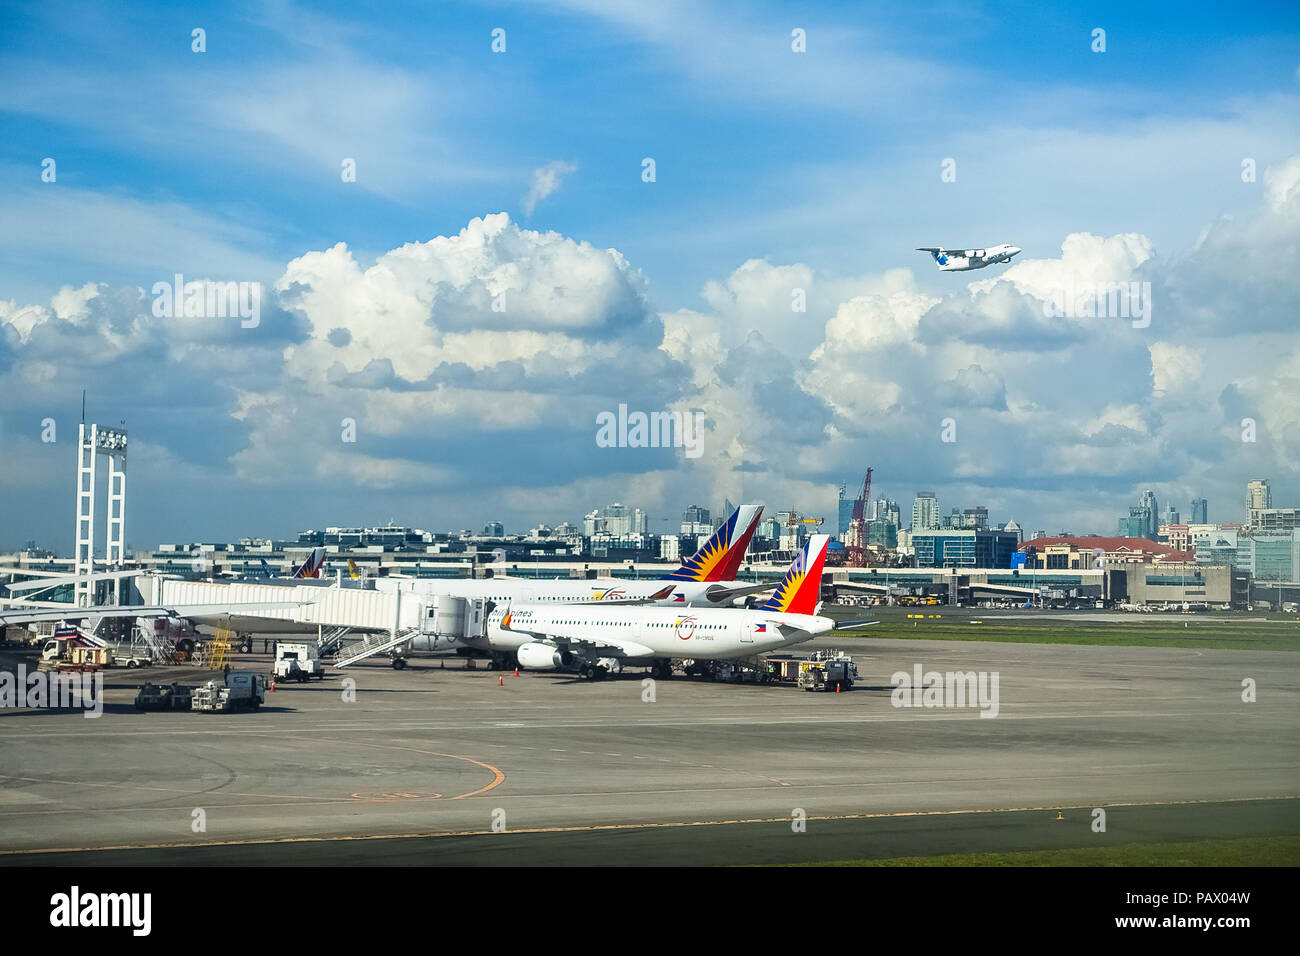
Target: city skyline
{"points": [[697, 520]]}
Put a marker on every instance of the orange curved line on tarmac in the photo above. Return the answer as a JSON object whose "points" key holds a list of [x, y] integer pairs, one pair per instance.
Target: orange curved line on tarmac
{"points": [[498, 777]]}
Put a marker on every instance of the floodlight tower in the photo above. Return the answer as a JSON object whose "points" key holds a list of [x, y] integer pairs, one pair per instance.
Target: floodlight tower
{"points": [[93, 441]]}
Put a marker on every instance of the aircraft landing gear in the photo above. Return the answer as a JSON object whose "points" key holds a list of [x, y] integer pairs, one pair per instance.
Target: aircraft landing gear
{"points": [[399, 663]]}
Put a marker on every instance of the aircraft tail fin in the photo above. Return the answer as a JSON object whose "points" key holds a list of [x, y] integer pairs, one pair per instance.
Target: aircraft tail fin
{"points": [[311, 568], [724, 550], [800, 590], [740, 546], [266, 570]]}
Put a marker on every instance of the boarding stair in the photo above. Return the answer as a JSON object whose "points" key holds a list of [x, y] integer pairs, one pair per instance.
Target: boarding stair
{"points": [[369, 645], [331, 640]]}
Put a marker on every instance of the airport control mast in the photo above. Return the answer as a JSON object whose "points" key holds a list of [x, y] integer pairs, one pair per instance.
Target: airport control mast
{"points": [[93, 441]]}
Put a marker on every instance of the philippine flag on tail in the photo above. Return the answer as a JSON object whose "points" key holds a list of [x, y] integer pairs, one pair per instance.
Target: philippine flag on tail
{"points": [[800, 590]]}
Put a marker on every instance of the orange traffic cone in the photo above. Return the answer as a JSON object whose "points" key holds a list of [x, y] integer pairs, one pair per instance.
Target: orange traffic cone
{"points": [[837, 688], [516, 671], [501, 682], [272, 687]]}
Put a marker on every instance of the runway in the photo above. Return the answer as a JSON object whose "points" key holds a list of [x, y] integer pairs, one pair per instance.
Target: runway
{"points": [[444, 765]]}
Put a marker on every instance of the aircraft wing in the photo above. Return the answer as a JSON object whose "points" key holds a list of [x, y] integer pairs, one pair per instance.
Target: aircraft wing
{"points": [[590, 648], [584, 645], [719, 593]]}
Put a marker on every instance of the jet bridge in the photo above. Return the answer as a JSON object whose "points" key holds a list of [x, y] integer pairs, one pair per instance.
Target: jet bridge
{"points": [[355, 622]]}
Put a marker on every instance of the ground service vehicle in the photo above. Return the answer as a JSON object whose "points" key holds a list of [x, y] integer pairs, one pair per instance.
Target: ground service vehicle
{"points": [[297, 662], [78, 653], [832, 674], [241, 690], [818, 671], [160, 697]]}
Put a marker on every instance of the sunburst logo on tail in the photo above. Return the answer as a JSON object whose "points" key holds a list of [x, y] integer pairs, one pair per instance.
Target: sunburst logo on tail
{"points": [[718, 559], [800, 589]]}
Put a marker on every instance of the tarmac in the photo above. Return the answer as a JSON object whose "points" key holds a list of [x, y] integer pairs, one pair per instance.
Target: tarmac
{"points": [[445, 765]]}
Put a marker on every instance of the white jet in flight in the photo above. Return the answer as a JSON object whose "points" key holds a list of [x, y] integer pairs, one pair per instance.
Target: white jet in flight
{"points": [[963, 260]]}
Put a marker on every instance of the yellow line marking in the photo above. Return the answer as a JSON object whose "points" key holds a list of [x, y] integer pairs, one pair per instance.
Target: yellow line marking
{"points": [[672, 824]]}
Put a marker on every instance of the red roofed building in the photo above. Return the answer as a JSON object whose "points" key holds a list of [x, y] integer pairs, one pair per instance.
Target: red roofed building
{"points": [[1072, 552]]}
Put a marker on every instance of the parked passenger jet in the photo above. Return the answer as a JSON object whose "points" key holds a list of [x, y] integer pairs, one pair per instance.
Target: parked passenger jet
{"points": [[963, 260], [554, 636]]}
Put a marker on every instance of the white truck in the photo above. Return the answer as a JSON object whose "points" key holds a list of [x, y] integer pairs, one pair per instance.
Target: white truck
{"points": [[298, 662], [80, 652], [241, 690]]}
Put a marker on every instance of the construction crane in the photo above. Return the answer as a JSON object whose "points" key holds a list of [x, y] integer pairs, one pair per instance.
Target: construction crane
{"points": [[857, 553], [793, 519]]}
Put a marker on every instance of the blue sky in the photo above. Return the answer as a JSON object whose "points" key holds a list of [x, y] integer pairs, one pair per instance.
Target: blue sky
{"points": [[225, 165]]}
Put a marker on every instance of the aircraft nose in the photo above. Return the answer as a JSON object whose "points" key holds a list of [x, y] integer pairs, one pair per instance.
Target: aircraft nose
{"points": [[1014, 250]]}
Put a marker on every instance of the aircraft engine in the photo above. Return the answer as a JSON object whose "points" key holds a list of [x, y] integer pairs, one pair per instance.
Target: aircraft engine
{"points": [[538, 656]]}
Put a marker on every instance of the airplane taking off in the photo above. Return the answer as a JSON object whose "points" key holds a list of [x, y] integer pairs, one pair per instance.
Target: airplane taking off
{"points": [[548, 636], [963, 260]]}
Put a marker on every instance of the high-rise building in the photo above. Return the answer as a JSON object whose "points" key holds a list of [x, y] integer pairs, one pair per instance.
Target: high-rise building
{"points": [[925, 511], [845, 512], [1138, 524], [1153, 514], [614, 519], [1200, 511], [695, 520], [887, 510], [1171, 516], [1258, 496]]}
